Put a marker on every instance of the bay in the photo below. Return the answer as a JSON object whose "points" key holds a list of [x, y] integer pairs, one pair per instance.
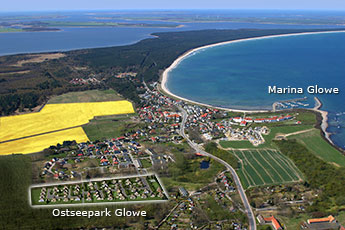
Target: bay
{"points": [[237, 75]]}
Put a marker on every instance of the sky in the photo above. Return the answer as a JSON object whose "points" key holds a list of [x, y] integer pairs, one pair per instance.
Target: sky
{"points": [[59, 5]]}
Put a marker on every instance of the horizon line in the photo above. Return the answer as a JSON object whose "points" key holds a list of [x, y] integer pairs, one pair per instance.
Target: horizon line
{"points": [[172, 9]]}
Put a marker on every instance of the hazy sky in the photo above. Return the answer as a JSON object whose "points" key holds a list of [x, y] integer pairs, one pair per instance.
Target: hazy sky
{"points": [[42, 5]]}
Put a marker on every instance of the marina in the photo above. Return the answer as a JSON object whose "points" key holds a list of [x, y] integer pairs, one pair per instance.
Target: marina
{"points": [[291, 104]]}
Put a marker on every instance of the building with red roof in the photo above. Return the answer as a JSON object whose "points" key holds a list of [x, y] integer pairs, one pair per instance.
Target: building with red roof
{"points": [[328, 219], [275, 223], [326, 223], [270, 220]]}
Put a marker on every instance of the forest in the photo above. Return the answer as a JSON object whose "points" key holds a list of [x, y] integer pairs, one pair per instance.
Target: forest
{"points": [[319, 175]]}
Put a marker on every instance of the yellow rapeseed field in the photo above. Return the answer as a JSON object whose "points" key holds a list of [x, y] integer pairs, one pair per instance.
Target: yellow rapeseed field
{"points": [[58, 116], [38, 143]]}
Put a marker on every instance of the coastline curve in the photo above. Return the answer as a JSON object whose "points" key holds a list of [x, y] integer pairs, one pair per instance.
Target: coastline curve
{"points": [[165, 76]]}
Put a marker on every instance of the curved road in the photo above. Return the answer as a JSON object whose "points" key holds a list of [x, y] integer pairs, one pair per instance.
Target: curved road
{"points": [[249, 212]]}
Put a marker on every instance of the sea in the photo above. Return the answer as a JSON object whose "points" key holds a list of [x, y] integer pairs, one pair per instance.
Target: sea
{"points": [[237, 75]]}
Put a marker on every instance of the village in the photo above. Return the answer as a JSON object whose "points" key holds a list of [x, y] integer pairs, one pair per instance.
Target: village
{"points": [[134, 154], [203, 123], [162, 121], [194, 210], [118, 155], [138, 188]]}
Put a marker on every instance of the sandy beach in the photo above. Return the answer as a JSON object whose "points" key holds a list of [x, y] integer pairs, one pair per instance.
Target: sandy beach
{"points": [[165, 74]]}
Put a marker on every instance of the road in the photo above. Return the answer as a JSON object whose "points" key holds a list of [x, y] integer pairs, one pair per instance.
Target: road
{"points": [[248, 209]]}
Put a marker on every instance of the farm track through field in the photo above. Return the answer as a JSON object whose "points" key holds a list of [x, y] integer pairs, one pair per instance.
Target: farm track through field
{"points": [[40, 134], [254, 169], [287, 161], [291, 166], [260, 165], [245, 180], [244, 172], [272, 170], [247, 176], [265, 167], [280, 166], [246, 165]]}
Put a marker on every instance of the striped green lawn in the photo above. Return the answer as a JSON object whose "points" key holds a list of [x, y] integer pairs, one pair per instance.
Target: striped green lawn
{"points": [[265, 167]]}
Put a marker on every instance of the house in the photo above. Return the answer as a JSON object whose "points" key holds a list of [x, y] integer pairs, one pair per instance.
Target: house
{"points": [[326, 223], [243, 123], [237, 119], [270, 220], [137, 163], [158, 159], [275, 223], [183, 191], [328, 219]]}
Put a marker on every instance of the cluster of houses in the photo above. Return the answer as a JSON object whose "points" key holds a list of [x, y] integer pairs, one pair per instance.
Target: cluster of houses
{"points": [[122, 153], [184, 208], [161, 116], [113, 152], [43, 194], [58, 167], [202, 119], [243, 121], [134, 188], [253, 135], [62, 193], [84, 81], [227, 182]]}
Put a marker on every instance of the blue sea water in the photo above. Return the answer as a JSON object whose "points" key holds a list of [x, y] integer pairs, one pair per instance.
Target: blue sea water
{"points": [[237, 75]]}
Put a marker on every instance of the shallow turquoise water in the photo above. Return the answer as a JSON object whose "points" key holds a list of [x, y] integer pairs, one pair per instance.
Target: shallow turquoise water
{"points": [[237, 75]]}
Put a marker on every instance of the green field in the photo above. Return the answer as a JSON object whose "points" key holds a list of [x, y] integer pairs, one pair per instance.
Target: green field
{"points": [[264, 167], [186, 172], [86, 96], [9, 30], [146, 163], [102, 128], [319, 146], [268, 138]]}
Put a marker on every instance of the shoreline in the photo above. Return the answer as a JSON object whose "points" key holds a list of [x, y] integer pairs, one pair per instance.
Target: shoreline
{"points": [[210, 106], [165, 76], [324, 122]]}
